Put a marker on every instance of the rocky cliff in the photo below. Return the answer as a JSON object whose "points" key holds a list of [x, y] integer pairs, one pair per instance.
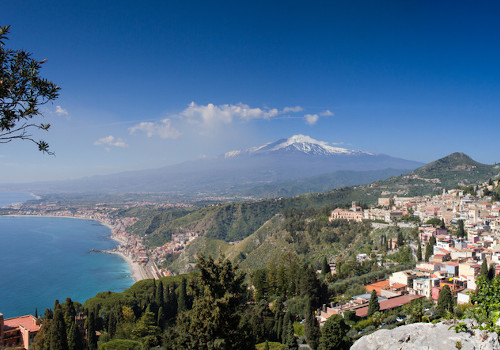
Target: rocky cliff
{"points": [[420, 336]]}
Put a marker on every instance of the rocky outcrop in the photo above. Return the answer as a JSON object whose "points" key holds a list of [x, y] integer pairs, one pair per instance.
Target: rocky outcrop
{"points": [[428, 336]]}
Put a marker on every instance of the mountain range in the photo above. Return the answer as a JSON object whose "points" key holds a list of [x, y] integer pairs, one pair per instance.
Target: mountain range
{"points": [[274, 164]]}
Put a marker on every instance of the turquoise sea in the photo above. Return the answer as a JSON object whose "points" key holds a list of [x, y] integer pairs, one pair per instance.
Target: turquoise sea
{"points": [[43, 259]]}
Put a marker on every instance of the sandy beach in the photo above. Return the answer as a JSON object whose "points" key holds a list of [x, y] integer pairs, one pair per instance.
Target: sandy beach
{"points": [[138, 272]]}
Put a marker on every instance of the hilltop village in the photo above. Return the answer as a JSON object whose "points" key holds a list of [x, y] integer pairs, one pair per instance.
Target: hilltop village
{"points": [[459, 233]]}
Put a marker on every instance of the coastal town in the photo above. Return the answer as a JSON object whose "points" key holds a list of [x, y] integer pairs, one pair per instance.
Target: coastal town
{"points": [[144, 263], [454, 260]]}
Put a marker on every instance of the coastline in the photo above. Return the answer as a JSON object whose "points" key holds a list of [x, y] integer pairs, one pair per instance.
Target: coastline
{"points": [[137, 271]]}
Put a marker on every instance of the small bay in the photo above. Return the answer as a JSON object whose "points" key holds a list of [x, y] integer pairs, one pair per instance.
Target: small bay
{"points": [[45, 258]]}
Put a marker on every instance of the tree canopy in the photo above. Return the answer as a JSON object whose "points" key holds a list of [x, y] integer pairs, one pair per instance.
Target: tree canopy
{"points": [[22, 92]]}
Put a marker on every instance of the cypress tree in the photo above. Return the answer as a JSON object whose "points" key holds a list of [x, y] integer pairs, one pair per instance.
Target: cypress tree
{"points": [[58, 340], [428, 251], [491, 273], [400, 240], [161, 317], [419, 252], [171, 303], [279, 330], [484, 268], [325, 268], [159, 294], [91, 336], [291, 342], [74, 338], [445, 301], [311, 328], [373, 305], [36, 312], [182, 298], [286, 319], [112, 321], [461, 229]]}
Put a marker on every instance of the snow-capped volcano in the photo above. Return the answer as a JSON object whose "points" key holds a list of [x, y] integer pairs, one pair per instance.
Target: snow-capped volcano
{"points": [[298, 144]]}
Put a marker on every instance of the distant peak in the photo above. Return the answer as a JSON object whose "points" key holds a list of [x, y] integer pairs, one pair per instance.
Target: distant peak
{"points": [[297, 144]]}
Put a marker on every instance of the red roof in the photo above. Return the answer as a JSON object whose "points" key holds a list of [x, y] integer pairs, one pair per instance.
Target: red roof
{"points": [[390, 304], [28, 322]]}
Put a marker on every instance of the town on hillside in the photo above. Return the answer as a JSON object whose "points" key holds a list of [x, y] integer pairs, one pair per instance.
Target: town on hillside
{"points": [[459, 239]]}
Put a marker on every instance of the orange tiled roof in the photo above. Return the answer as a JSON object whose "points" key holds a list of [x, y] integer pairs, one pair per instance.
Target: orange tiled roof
{"points": [[28, 322], [389, 304]]}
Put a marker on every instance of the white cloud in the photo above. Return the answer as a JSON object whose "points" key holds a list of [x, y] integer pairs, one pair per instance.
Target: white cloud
{"points": [[327, 113], [61, 111], [210, 114], [207, 117], [292, 109], [311, 119], [163, 129], [110, 141]]}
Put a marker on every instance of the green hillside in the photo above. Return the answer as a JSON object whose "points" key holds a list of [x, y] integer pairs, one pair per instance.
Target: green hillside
{"points": [[263, 227]]}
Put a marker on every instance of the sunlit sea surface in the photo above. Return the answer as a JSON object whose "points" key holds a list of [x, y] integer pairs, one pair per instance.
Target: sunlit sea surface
{"points": [[43, 259]]}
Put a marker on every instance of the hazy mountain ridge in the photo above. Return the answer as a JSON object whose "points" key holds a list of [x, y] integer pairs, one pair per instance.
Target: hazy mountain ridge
{"points": [[288, 159]]}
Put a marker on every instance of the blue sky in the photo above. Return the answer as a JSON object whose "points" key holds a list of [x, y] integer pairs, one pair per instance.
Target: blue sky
{"points": [[150, 83]]}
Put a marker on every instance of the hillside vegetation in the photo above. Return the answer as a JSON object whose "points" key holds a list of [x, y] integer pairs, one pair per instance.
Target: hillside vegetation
{"points": [[271, 227]]}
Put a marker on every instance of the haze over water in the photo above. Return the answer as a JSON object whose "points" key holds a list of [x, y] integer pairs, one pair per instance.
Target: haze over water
{"points": [[43, 259]]}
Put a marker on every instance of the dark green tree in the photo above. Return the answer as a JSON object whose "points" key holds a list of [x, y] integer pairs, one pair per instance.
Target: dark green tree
{"points": [[213, 322], [259, 281], [22, 92], [74, 339], [428, 251], [266, 347], [310, 286], [311, 328], [442, 225], [373, 305], [325, 267], [461, 229], [445, 301], [484, 268], [161, 317], [400, 240], [159, 298], [432, 241], [286, 319], [279, 328], [91, 336], [69, 312], [491, 273], [145, 329], [291, 341], [171, 303], [182, 297], [419, 251], [334, 334], [58, 340]]}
